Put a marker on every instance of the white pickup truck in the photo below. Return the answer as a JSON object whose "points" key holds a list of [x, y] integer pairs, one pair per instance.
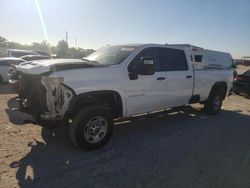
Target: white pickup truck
{"points": [[121, 81]]}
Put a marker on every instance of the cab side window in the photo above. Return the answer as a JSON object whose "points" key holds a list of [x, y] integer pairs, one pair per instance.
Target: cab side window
{"points": [[173, 60], [148, 52]]}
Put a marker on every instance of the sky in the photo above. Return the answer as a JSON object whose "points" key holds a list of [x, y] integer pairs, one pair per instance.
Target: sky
{"points": [[222, 25]]}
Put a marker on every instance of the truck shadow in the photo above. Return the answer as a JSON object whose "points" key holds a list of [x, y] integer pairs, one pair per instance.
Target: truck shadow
{"points": [[142, 152], [16, 117]]}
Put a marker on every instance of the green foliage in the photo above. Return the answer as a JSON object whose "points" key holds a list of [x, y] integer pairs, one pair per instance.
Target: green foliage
{"points": [[3, 42], [43, 46], [62, 48], [14, 45]]}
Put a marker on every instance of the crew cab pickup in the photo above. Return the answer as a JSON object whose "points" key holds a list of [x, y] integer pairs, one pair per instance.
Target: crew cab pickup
{"points": [[121, 81]]}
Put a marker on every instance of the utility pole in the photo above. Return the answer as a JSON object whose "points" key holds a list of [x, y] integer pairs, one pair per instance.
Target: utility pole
{"points": [[66, 37]]}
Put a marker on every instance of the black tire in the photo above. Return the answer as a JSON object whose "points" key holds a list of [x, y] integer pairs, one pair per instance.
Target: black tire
{"points": [[236, 91], [213, 104], [83, 127]]}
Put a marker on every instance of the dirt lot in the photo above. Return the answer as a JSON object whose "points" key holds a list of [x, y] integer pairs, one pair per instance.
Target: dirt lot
{"points": [[182, 149]]}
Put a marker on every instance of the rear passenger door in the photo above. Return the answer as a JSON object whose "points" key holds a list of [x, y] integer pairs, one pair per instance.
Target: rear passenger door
{"points": [[179, 76]]}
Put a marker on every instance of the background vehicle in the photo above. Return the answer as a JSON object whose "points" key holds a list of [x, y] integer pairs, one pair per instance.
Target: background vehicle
{"points": [[34, 57], [242, 83], [5, 64], [245, 60], [43, 53], [19, 53], [120, 81]]}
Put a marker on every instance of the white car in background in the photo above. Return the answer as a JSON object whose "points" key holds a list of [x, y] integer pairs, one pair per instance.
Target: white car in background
{"points": [[19, 53], [5, 64]]}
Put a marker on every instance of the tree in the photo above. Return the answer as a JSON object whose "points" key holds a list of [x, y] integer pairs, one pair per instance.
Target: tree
{"points": [[14, 45], [43, 46], [62, 48], [3, 42]]}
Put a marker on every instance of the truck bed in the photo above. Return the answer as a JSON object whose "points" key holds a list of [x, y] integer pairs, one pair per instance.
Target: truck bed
{"points": [[205, 79]]}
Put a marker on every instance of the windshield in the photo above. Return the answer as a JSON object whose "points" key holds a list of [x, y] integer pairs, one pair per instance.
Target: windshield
{"points": [[110, 55]]}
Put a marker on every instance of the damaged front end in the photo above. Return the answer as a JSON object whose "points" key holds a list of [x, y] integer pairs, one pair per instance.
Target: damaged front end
{"points": [[45, 98]]}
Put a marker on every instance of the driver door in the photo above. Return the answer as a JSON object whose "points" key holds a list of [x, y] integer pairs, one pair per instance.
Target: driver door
{"points": [[147, 92]]}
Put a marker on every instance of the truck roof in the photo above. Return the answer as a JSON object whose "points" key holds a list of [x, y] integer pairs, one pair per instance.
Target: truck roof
{"points": [[192, 47], [180, 46]]}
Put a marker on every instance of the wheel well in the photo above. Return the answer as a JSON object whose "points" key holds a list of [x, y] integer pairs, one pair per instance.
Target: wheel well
{"points": [[110, 99], [221, 87]]}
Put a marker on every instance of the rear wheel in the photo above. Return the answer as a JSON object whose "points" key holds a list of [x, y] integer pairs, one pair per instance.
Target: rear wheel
{"points": [[91, 127], [214, 102]]}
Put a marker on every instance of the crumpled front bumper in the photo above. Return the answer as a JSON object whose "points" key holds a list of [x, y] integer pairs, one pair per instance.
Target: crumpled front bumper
{"points": [[58, 97], [45, 98]]}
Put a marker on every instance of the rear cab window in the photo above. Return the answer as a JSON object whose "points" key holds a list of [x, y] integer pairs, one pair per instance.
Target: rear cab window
{"points": [[173, 60], [198, 58]]}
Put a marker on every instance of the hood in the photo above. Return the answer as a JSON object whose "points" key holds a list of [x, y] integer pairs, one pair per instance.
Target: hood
{"points": [[51, 65]]}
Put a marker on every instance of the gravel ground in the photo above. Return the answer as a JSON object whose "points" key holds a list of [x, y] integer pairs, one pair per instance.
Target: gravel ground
{"points": [[180, 149]]}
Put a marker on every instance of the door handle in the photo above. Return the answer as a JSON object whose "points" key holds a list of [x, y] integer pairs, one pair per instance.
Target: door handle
{"points": [[161, 78], [189, 76]]}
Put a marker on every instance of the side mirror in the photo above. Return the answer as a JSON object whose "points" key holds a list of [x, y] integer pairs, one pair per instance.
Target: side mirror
{"points": [[146, 66]]}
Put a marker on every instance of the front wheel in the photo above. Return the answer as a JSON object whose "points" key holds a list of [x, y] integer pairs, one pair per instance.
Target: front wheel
{"points": [[214, 103], [91, 127]]}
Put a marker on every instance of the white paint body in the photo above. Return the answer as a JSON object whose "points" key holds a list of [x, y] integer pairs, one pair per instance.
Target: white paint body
{"points": [[144, 94], [5, 64]]}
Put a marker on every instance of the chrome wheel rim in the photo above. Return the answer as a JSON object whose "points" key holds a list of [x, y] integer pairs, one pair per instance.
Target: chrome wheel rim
{"points": [[95, 129], [216, 103]]}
